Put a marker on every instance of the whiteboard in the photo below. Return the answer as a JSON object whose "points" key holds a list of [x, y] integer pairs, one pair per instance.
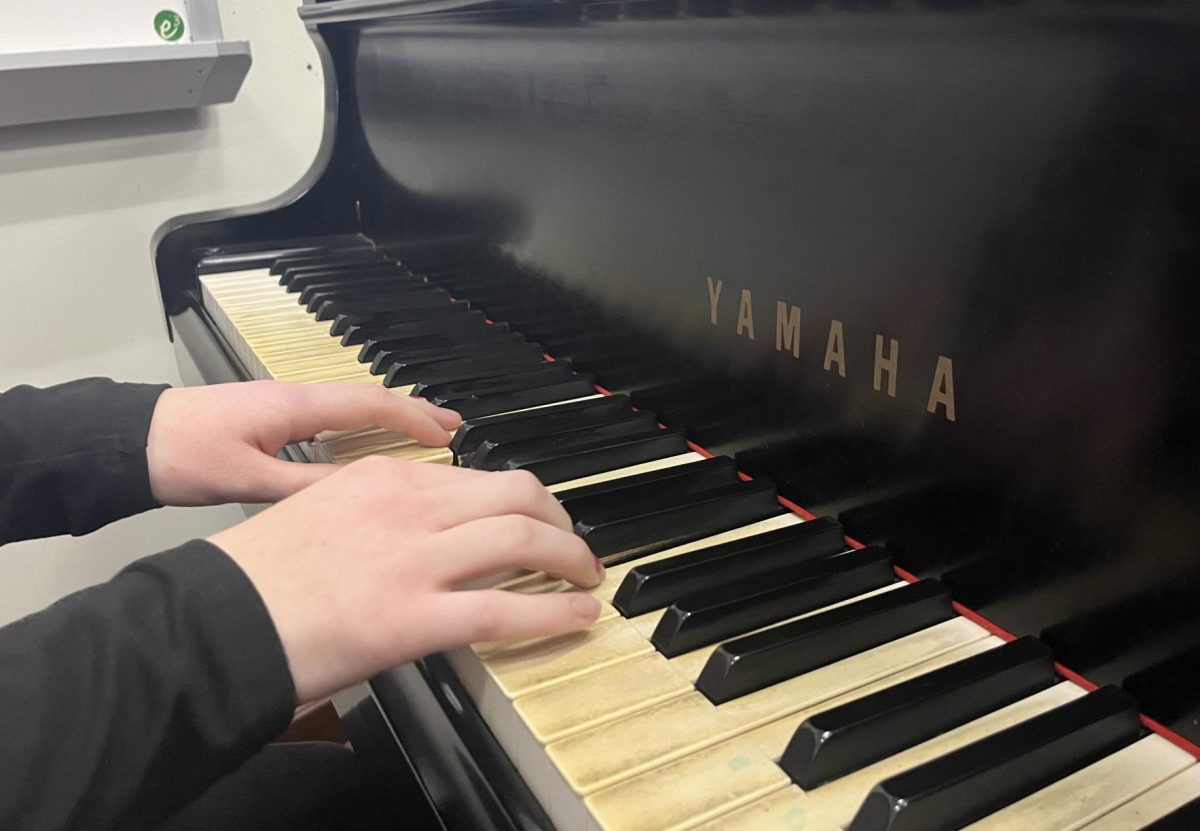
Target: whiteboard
{"points": [[45, 25]]}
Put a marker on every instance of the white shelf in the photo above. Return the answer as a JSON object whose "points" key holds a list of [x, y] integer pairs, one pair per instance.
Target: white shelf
{"points": [[115, 78]]}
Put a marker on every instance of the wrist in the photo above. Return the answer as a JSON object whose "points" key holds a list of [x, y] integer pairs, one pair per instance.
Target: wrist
{"points": [[164, 456]]}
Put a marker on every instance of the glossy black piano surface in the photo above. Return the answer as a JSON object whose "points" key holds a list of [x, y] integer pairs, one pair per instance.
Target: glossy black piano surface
{"points": [[932, 266]]}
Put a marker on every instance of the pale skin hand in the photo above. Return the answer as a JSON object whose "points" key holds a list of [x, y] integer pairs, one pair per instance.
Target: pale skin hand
{"points": [[216, 444], [358, 571]]}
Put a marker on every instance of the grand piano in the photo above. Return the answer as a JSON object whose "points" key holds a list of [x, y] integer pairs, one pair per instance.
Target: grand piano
{"points": [[920, 273]]}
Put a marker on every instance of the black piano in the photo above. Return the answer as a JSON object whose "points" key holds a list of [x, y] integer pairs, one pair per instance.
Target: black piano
{"points": [[925, 273]]}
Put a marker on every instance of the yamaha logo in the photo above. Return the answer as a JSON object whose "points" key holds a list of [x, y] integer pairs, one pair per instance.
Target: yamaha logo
{"points": [[886, 366]]}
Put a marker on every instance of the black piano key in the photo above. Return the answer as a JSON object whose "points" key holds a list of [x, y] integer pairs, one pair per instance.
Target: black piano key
{"points": [[659, 584], [368, 286], [755, 661], [592, 459], [295, 279], [380, 317], [445, 264], [298, 281], [496, 455], [445, 348], [1019, 570], [935, 507], [372, 289], [463, 369], [638, 371], [620, 499], [1169, 689], [355, 329], [420, 334], [681, 392], [969, 783], [494, 342], [513, 426], [689, 468], [1110, 641], [466, 274], [593, 343], [547, 372], [718, 409], [301, 280], [459, 342], [847, 738], [325, 307], [328, 258], [242, 257], [933, 553], [417, 305], [462, 342], [552, 330], [409, 369], [665, 523], [504, 402], [1184, 818], [750, 603], [538, 374]]}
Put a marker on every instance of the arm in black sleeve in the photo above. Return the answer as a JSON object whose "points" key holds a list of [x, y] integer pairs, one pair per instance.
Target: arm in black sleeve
{"points": [[73, 457], [122, 703]]}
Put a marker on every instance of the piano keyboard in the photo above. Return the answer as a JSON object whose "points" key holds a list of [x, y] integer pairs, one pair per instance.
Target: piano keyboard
{"points": [[747, 670]]}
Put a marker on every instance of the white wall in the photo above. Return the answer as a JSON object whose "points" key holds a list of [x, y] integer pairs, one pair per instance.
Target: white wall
{"points": [[79, 202]]}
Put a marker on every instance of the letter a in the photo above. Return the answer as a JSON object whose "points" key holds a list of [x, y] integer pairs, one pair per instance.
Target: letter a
{"points": [[835, 349], [942, 390], [746, 314]]}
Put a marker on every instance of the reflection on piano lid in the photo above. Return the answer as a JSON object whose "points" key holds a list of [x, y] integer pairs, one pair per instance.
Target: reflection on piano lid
{"points": [[921, 269]]}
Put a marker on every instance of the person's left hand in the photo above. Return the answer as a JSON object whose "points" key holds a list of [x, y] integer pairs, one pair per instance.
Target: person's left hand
{"points": [[214, 444]]}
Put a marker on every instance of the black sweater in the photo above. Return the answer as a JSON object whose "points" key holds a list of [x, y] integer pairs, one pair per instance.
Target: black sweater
{"points": [[121, 703]]}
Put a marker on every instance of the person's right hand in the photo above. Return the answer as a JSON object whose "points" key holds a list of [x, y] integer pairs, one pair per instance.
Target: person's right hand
{"points": [[358, 571]]}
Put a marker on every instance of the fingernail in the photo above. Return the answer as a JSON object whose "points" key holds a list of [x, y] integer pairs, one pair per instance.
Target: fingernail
{"points": [[585, 605], [600, 569]]}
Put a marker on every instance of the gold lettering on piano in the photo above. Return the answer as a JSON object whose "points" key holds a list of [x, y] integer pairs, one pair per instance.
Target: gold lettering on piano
{"points": [[788, 319], [787, 328], [835, 348], [746, 314], [942, 390], [891, 364], [714, 296]]}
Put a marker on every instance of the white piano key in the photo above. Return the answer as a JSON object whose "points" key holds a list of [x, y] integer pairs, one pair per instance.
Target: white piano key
{"points": [[717, 779], [633, 470], [591, 698], [1152, 805], [618, 750], [1071, 803]]}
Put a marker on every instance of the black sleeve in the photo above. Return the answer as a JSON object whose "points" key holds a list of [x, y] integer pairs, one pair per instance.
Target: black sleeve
{"points": [[73, 457], [122, 703]]}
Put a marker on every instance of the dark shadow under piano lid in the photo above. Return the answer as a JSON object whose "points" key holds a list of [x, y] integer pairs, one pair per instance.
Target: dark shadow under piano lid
{"points": [[929, 268]]}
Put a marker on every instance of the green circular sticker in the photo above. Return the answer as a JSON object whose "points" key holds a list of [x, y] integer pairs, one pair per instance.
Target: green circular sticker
{"points": [[168, 24]]}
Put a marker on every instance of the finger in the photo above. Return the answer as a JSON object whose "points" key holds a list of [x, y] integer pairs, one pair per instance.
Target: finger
{"points": [[496, 544], [494, 615], [350, 406], [498, 494], [447, 418]]}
